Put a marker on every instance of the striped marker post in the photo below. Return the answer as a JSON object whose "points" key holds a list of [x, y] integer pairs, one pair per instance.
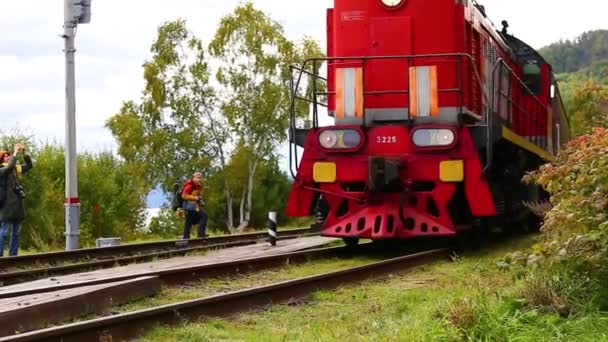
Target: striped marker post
{"points": [[272, 228]]}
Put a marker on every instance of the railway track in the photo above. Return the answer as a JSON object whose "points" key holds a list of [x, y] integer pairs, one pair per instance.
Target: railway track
{"points": [[185, 274], [133, 324], [115, 252], [16, 277]]}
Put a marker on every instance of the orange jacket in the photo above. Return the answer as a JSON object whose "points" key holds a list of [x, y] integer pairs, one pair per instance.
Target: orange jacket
{"points": [[189, 194]]}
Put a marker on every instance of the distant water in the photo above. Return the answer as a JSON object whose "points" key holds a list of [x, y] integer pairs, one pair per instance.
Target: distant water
{"points": [[150, 213], [156, 198]]}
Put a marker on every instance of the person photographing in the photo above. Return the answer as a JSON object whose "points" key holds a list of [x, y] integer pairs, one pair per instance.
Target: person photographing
{"points": [[12, 195]]}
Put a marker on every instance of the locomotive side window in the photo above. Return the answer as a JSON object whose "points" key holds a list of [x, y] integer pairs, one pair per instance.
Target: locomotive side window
{"points": [[532, 77]]}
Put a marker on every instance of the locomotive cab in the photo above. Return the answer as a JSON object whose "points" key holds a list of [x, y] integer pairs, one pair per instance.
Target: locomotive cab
{"points": [[532, 77]]}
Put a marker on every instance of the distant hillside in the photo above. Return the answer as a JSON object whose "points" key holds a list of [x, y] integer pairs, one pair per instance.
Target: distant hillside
{"points": [[570, 56], [581, 68]]}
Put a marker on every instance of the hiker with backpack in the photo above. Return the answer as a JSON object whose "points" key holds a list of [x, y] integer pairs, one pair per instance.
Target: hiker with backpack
{"points": [[193, 205]]}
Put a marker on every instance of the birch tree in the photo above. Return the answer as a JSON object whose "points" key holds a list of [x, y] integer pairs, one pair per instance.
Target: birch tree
{"points": [[255, 75], [176, 129]]}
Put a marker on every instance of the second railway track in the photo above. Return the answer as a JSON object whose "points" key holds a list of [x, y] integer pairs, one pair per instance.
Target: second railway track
{"points": [[19, 276], [130, 250]]}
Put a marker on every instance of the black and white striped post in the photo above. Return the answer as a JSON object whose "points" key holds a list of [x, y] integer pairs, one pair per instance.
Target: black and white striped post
{"points": [[272, 228]]}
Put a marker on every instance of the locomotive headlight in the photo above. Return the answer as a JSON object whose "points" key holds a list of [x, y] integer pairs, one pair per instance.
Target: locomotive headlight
{"points": [[328, 139], [433, 137], [391, 3], [340, 139], [351, 138]]}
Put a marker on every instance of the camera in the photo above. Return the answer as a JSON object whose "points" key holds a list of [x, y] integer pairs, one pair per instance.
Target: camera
{"points": [[19, 191]]}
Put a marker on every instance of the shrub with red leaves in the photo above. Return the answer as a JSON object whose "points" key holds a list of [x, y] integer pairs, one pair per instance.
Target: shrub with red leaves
{"points": [[569, 267]]}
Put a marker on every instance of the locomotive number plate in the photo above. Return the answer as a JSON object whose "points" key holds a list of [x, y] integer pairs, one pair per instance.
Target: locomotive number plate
{"points": [[387, 139]]}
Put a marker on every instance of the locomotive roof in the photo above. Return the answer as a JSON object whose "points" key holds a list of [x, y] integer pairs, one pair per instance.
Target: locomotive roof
{"points": [[519, 50]]}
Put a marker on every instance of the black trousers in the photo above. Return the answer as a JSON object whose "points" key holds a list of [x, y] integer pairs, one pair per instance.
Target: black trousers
{"points": [[192, 218]]}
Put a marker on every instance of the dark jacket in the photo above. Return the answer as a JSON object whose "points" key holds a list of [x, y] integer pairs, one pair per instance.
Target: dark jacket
{"points": [[12, 209]]}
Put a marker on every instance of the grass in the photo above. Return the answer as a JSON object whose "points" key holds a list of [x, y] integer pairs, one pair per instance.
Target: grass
{"points": [[208, 287], [448, 301]]}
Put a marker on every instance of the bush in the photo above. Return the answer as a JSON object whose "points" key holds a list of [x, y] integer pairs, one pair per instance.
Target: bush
{"points": [[167, 225], [578, 184], [569, 268], [112, 197]]}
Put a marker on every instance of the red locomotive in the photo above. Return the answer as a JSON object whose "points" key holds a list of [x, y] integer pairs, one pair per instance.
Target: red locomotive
{"points": [[437, 115]]}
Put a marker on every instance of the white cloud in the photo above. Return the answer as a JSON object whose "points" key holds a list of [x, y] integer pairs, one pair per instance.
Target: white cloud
{"points": [[110, 52], [541, 22], [112, 48]]}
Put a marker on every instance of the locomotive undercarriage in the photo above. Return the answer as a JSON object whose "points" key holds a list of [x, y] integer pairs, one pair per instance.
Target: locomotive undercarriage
{"points": [[397, 209], [389, 215], [510, 165], [392, 208]]}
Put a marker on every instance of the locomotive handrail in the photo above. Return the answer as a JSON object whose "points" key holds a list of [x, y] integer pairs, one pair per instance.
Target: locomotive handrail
{"points": [[501, 61], [406, 57], [292, 125], [315, 77], [533, 96], [309, 73], [533, 120], [362, 58], [490, 122]]}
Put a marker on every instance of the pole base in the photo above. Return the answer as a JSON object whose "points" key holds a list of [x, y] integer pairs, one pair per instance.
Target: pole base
{"points": [[72, 223]]}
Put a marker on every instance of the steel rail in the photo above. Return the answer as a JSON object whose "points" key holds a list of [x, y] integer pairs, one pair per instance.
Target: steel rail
{"points": [[197, 272], [133, 324], [16, 277], [52, 258]]}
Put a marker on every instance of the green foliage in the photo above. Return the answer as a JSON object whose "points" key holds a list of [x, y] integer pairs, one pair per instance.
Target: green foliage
{"points": [[166, 225], [165, 136], [112, 202], [181, 125], [257, 56], [481, 316], [271, 189], [578, 184], [570, 56], [271, 192], [582, 71], [254, 49], [255, 76], [568, 270], [588, 107], [563, 280]]}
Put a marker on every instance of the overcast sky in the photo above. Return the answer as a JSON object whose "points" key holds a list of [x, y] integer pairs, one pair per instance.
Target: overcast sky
{"points": [[112, 48]]}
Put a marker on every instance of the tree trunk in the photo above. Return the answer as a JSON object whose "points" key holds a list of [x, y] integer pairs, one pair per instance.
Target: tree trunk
{"points": [[220, 142], [242, 211], [246, 216], [229, 212], [252, 168]]}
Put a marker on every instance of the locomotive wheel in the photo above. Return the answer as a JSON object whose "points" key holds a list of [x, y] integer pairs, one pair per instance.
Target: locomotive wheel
{"points": [[351, 242], [479, 233], [473, 238]]}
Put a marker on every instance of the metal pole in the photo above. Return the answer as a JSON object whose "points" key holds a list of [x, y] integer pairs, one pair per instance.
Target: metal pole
{"points": [[559, 137], [72, 203], [272, 228]]}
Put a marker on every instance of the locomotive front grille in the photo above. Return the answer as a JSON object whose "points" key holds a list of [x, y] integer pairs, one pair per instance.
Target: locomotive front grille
{"points": [[384, 175]]}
